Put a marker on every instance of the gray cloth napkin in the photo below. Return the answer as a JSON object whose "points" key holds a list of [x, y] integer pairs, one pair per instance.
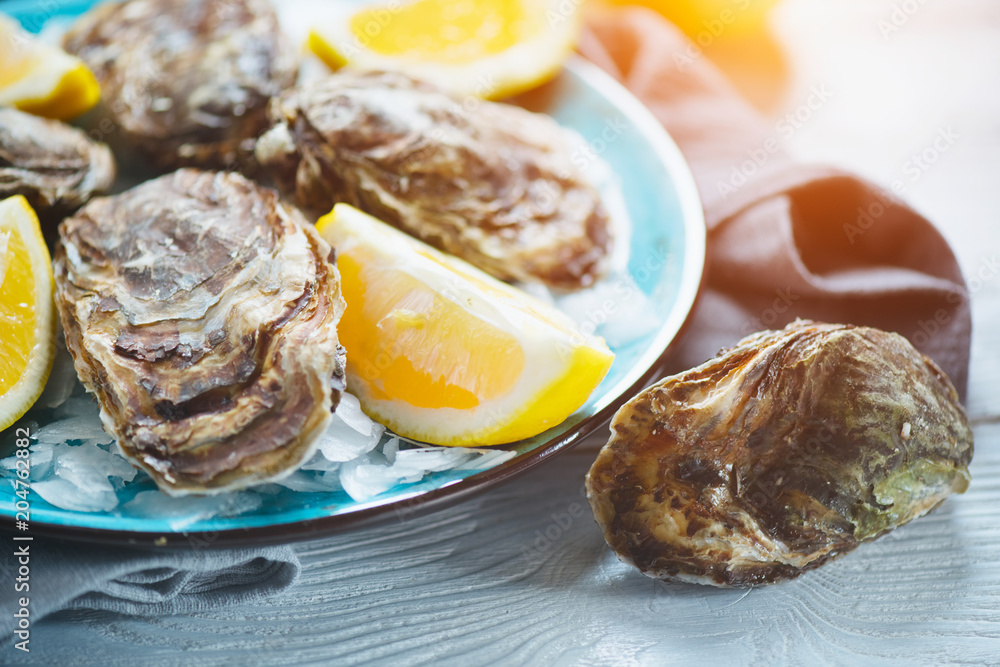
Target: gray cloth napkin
{"points": [[139, 582]]}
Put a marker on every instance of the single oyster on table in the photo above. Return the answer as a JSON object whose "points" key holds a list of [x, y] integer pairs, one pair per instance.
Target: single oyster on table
{"points": [[495, 185], [778, 455], [203, 313], [55, 166], [187, 81]]}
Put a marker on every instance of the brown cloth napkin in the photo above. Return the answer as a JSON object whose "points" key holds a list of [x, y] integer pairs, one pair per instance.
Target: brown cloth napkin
{"points": [[793, 240]]}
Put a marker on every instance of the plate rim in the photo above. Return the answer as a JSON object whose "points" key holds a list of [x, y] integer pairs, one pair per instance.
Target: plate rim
{"points": [[420, 503]]}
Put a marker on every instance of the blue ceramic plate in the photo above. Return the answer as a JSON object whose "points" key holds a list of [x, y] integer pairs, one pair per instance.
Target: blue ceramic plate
{"points": [[665, 259]]}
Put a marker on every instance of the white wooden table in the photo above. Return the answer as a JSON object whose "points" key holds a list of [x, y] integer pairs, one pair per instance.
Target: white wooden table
{"points": [[481, 583]]}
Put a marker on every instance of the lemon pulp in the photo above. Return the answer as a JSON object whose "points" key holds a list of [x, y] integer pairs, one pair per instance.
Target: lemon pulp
{"points": [[446, 31], [482, 48], [444, 353]]}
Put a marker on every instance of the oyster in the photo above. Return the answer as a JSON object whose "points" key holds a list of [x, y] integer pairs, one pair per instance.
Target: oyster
{"points": [[202, 313], [55, 166], [495, 185], [187, 81], [780, 454]]}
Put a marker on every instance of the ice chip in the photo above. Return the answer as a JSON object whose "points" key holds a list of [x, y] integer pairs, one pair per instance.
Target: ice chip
{"points": [[331, 479], [349, 411], [390, 448], [84, 405], [613, 198], [616, 306], [364, 479], [320, 462], [85, 465], [634, 318], [367, 477], [96, 496], [342, 443], [62, 379], [185, 511], [41, 460], [77, 420], [419, 462], [78, 477], [307, 483]]}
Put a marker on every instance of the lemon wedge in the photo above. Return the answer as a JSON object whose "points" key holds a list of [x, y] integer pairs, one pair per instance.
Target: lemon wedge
{"points": [[27, 310], [483, 48], [41, 79], [443, 353]]}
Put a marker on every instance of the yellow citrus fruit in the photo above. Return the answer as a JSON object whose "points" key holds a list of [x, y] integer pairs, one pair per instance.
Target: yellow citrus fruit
{"points": [[27, 311], [483, 48], [42, 79], [709, 19], [443, 353]]}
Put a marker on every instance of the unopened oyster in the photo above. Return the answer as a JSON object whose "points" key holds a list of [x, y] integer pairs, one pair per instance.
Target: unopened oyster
{"points": [[55, 166], [493, 184], [187, 81], [780, 454], [203, 315]]}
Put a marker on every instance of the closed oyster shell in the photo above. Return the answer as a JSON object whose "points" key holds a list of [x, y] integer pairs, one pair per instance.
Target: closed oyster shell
{"points": [[55, 166], [187, 82], [778, 455], [202, 313], [494, 184]]}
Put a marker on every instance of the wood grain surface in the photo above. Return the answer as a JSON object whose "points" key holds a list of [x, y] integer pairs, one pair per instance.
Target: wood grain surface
{"points": [[521, 574]]}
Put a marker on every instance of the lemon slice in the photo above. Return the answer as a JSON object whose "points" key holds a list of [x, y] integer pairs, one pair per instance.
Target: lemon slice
{"points": [[42, 79], [443, 353], [27, 311], [487, 48]]}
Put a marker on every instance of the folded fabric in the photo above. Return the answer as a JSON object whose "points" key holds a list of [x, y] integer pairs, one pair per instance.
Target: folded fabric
{"points": [[785, 240], [139, 582]]}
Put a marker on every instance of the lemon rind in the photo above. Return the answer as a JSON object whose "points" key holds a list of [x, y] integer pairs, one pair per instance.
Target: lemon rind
{"points": [[17, 400], [76, 93]]}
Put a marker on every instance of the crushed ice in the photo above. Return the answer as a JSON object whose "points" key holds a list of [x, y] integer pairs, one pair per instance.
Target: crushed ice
{"points": [[76, 465], [375, 473]]}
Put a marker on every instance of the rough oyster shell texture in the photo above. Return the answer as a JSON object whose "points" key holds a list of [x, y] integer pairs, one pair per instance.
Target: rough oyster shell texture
{"points": [[55, 166], [202, 313], [778, 455], [491, 183], [187, 82]]}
